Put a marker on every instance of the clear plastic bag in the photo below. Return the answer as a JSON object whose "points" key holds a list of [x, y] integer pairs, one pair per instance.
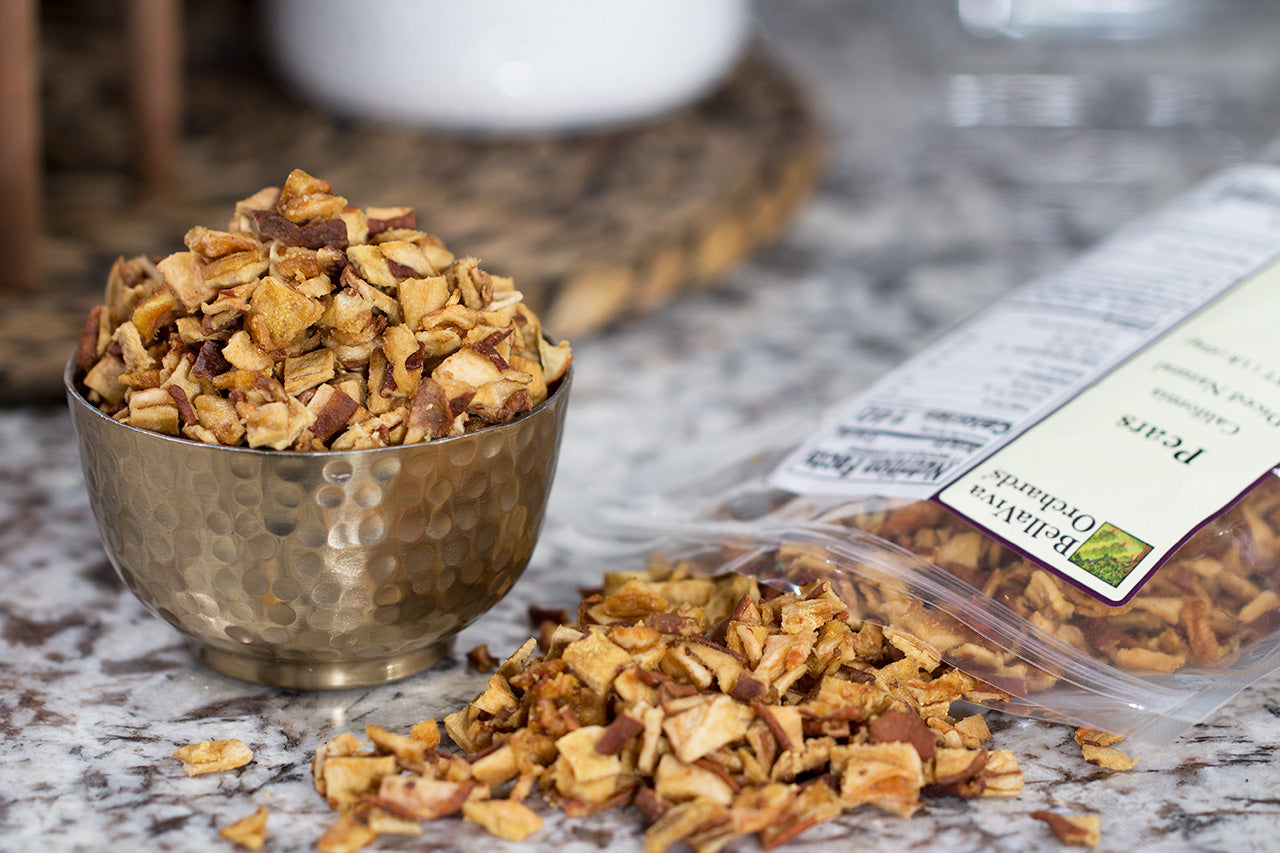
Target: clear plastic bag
{"points": [[1199, 632], [1088, 519]]}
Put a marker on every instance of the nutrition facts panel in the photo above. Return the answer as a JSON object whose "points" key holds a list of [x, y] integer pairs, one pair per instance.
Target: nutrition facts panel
{"points": [[988, 380]]}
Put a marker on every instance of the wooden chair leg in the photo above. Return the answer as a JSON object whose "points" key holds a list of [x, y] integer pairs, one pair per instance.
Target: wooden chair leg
{"points": [[20, 168], [155, 87]]}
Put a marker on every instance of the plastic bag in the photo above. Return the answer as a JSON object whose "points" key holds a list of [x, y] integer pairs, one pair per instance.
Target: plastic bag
{"points": [[1144, 654], [1203, 629]]}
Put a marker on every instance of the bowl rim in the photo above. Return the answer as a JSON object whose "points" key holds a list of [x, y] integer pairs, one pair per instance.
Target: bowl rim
{"points": [[78, 401]]}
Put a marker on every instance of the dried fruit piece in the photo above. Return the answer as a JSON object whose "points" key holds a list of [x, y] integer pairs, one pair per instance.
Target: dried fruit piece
{"points": [[1108, 757], [346, 835], [208, 756], [248, 832], [347, 778], [888, 775], [1000, 775], [421, 797], [1079, 830], [506, 819], [479, 658], [1096, 747], [426, 731]]}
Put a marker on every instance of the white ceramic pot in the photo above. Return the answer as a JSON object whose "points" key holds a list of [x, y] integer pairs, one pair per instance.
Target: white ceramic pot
{"points": [[506, 65]]}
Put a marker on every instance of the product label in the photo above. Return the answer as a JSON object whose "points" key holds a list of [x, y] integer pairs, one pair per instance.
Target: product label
{"points": [[1108, 485], [1093, 419]]}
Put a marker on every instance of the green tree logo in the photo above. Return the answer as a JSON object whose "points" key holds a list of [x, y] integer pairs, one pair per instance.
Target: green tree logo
{"points": [[1110, 554]]}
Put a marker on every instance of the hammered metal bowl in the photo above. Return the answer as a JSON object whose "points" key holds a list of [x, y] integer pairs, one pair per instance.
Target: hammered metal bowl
{"points": [[319, 570]]}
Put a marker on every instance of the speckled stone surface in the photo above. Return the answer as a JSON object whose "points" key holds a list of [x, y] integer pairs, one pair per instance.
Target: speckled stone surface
{"points": [[958, 168]]}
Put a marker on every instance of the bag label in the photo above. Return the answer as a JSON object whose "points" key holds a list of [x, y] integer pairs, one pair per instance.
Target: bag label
{"points": [[1107, 486], [1095, 418]]}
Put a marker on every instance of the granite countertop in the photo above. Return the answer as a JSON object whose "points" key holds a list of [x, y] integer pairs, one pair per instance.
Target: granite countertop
{"points": [[958, 168]]}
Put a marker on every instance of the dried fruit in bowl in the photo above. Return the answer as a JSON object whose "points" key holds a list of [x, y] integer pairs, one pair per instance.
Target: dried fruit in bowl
{"points": [[310, 324]]}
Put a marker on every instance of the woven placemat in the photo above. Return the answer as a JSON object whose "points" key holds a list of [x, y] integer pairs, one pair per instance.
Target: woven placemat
{"points": [[594, 229]]}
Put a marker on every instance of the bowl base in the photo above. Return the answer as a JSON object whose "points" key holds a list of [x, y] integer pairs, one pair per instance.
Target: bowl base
{"points": [[335, 675]]}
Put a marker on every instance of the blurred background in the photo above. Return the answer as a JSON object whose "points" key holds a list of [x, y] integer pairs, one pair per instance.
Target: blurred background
{"points": [[615, 157]]}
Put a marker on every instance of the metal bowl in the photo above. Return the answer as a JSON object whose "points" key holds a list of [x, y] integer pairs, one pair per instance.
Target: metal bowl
{"points": [[320, 570]]}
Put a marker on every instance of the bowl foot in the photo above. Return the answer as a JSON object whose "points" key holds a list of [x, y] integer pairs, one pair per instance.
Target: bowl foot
{"points": [[336, 675]]}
